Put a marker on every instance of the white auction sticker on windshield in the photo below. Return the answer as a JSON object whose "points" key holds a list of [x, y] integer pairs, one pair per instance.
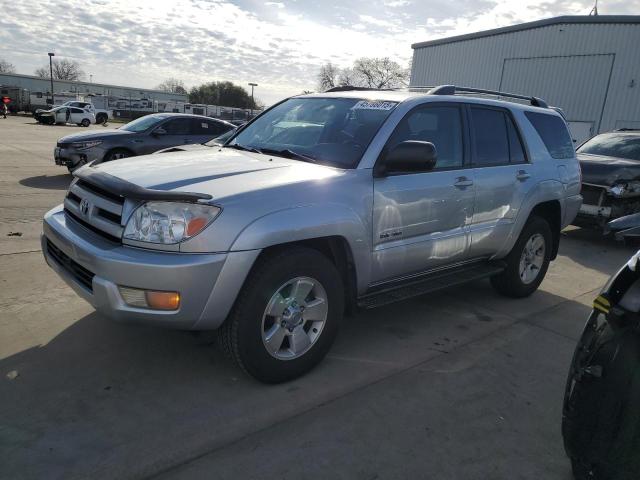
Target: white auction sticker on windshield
{"points": [[373, 105]]}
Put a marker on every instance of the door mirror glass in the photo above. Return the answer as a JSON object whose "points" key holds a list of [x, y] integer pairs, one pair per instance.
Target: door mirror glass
{"points": [[158, 132], [410, 156]]}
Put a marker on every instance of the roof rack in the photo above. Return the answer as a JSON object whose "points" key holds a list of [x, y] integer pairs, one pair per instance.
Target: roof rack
{"points": [[348, 88], [452, 90]]}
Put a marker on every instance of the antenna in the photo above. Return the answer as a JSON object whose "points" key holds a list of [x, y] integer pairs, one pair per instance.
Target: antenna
{"points": [[594, 10]]}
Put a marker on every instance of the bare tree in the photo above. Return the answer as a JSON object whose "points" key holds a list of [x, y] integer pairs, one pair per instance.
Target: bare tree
{"points": [[172, 85], [380, 73], [366, 72], [327, 76], [7, 67], [62, 70]]}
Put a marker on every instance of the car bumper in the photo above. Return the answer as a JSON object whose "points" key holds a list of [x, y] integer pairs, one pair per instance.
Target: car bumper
{"points": [[572, 206], [70, 157], [94, 267]]}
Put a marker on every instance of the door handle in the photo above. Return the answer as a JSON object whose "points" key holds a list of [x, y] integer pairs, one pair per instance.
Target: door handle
{"points": [[462, 182], [522, 175]]}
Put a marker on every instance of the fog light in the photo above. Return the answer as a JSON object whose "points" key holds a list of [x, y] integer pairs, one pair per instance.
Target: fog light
{"points": [[135, 297]]}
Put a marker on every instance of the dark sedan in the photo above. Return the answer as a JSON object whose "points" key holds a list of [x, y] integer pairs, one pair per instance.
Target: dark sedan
{"points": [[145, 135], [610, 164]]}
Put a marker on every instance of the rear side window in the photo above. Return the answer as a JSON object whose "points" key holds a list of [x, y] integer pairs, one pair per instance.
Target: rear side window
{"points": [[491, 139], [178, 126], [554, 133]]}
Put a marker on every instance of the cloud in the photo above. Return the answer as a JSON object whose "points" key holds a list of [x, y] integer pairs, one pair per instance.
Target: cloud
{"points": [[278, 44]]}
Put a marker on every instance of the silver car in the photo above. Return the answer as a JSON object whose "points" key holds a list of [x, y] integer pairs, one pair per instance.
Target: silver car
{"points": [[323, 204]]}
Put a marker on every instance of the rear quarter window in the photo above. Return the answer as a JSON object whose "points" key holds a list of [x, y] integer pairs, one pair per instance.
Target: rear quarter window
{"points": [[554, 133]]}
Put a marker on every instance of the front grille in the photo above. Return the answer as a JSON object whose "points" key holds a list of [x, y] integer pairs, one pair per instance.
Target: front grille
{"points": [[83, 276], [95, 209]]}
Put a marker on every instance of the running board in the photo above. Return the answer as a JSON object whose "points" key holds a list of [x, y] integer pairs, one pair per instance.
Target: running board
{"points": [[429, 283]]}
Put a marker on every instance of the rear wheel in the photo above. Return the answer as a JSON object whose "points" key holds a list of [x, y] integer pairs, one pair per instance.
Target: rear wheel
{"points": [[528, 261], [286, 317], [101, 118], [117, 154]]}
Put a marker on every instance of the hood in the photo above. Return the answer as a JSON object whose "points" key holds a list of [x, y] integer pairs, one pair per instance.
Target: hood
{"points": [[93, 135], [602, 170], [185, 148], [221, 173]]}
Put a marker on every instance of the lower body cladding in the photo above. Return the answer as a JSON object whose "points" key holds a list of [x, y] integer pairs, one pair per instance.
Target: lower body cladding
{"points": [[97, 269]]}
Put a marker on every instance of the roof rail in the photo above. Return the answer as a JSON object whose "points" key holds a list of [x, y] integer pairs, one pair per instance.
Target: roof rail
{"points": [[452, 90], [348, 88]]}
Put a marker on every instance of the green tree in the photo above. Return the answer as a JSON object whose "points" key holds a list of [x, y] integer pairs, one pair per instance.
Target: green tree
{"points": [[226, 94]]}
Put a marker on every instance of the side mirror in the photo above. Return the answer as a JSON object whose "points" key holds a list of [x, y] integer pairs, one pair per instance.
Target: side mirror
{"points": [[410, 156], [158, 132]]}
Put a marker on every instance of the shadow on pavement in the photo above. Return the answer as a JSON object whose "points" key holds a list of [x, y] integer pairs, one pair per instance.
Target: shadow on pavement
{"points": [[103, 399], [54, 182], [590, 248]]}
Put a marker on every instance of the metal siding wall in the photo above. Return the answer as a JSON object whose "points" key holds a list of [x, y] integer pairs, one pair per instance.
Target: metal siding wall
{"points": [[43, 85], [480, 62]]}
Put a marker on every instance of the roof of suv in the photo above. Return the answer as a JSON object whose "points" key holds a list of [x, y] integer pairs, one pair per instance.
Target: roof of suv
{"points": [[401, 95]]}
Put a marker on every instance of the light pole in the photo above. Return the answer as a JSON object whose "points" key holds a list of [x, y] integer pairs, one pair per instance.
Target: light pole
{"points": [[252, 85], [51, 55], [91, 78]]}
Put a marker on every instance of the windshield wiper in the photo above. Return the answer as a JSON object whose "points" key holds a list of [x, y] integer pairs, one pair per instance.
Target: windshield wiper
{"points": [[237, 146], [287, 153]]}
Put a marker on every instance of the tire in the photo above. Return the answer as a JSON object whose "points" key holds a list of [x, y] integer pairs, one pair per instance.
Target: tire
{"points": [[242, 336], [85, 122], [101, 118], [511, 281], [600, 421], [117, 154]]}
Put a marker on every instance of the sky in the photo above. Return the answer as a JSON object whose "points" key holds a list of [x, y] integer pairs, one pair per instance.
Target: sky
{"points": [[278, 44]]}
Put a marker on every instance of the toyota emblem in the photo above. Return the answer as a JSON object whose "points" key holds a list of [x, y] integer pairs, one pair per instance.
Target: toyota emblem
{"points": [[84, 206]]}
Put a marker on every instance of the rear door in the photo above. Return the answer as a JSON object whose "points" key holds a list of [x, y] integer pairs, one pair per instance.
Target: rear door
{"points": [[203, 130], [502, 176], [420, 220]]}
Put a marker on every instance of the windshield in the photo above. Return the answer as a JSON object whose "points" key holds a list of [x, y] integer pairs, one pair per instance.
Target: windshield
{"points": [[330, 131], [143, 123], [619, 145]]}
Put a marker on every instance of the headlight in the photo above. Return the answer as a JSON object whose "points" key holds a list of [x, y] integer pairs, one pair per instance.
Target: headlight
{"points": [[625, 189], [168, 222], [85, 145]]}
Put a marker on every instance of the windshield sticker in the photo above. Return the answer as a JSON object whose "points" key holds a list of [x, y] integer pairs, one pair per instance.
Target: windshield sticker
{"points": [[374, 105]]}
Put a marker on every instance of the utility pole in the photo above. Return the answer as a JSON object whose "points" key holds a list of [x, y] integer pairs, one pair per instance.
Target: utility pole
{"points": [[51, 55], [252, 85]]}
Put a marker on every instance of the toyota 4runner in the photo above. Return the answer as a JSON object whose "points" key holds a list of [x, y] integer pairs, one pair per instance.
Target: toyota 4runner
{"points": [[322, 204]]}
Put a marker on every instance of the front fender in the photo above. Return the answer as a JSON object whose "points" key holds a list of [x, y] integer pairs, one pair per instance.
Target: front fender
{"points": [[310, 222]]}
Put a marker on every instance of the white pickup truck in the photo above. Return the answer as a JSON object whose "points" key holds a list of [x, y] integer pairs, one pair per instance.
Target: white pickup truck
{"points": [[102, 116]]}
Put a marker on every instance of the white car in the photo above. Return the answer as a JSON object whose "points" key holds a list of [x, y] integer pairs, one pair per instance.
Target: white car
{"points": [[102, 116], [80, 117]]}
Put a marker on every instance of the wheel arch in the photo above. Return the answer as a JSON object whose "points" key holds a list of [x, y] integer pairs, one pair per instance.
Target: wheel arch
{"points": [[111, 150], [551, 211]]}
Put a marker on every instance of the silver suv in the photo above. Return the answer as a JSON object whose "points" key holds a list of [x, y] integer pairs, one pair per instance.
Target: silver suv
{"points": [[322, 204]]}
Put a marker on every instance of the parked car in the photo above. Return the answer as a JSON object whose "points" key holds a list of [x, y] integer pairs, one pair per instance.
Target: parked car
{"points": [[141, 136], [102, 115], [610, 164], [271, 238], [80, 117]]}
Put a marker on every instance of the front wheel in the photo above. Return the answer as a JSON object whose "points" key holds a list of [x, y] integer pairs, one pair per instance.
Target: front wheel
{"points": [[286, 316], [528, 261], [116, 154], [85, 122]]}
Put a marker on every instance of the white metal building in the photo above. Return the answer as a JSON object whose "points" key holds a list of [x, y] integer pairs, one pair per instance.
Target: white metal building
{"points": [[37, 84], [587, 65]]}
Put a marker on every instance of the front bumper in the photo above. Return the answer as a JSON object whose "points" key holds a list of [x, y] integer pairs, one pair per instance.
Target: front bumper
{"points": [[70, 157], [94, 268]]}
